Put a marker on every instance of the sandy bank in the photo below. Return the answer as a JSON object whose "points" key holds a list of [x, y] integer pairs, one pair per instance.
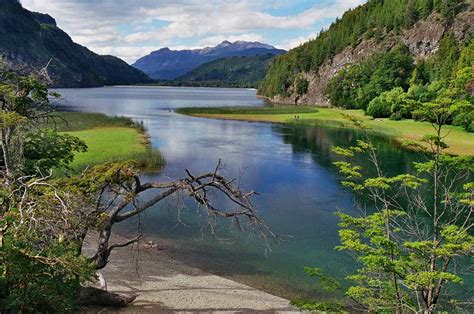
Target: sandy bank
{"points": [[165, 285]]}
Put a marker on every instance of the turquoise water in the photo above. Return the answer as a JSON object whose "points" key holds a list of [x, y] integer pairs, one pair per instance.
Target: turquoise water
{"points": [[290, 166]]}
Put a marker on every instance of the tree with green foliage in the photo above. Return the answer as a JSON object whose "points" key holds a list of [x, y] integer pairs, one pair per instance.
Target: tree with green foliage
{"points": [[411, 14], [380, 106], [445, 60], [301, 85], [44, 220], [394, 104], [357, 85], [426, 8], [416, 236], [40, 269]]}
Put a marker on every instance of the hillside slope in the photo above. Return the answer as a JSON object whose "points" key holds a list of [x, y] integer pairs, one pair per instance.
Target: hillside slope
{"points": [[373, 28], [29, 40], [166, 64], [246, 72]]}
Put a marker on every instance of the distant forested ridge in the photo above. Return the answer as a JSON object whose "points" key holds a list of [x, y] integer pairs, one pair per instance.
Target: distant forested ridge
{"points": [[30, 40], [370, 37], [244, 72], [167, 64]]}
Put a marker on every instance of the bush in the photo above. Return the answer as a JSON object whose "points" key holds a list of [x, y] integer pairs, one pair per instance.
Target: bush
{"points": [[379, 107], [397, 116], [394, 104], [301, 85], [465, 119]]}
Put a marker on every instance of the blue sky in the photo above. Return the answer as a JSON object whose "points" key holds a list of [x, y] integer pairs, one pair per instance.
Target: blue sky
{"points": [[130, 29]]}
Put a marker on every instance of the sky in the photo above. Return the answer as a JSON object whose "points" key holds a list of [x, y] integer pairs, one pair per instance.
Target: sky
{"points": [[130, 29]]}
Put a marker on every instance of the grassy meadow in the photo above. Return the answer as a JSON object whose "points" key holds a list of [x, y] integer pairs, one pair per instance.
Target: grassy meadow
{"points": [[108, 139], [459, 141]]}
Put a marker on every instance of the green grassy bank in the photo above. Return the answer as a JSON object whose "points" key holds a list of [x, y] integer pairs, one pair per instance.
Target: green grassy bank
{"points": [[459, 141], [108, 139]]}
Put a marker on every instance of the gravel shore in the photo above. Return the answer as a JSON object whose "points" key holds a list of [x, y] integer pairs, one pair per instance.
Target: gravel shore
{"points": [[165, 285]]}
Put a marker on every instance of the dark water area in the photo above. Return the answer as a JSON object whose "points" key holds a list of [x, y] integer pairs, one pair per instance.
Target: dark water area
{"points": [[290, 166]]}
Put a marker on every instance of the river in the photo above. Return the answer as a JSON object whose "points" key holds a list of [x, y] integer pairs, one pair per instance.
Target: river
{"points": [[290, 166]]}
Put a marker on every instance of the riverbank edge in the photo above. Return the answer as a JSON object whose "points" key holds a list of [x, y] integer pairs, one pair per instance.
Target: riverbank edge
{"points": [[166, 284], [140, 257], [466, 148]]}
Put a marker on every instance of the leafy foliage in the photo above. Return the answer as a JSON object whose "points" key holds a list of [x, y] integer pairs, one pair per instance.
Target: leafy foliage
{"points": [[326, 282], [371, 20], [40, 265], [357, 85], [402, 265], [47, 149], [301, 85], [394, 104], [380, 107], [386, 84]]}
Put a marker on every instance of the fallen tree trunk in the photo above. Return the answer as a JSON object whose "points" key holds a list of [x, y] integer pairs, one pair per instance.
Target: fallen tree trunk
{"points": [[90, 296]]}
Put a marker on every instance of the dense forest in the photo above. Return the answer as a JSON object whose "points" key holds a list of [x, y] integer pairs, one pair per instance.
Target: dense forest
{"points": [[243, 72], [388, 83], [373, 19]]}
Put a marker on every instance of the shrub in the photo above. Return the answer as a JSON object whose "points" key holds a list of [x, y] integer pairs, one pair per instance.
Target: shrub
{"points": [[379, 107], [465, 118], [394, 104], [301, 85], [397, 116]]}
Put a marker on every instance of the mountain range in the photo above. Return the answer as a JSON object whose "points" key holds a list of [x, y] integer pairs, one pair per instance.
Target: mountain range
{"points": [[30, 40], [167, 64]]}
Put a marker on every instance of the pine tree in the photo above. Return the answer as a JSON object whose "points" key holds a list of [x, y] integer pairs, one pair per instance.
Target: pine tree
{"points": [[426, 8], [411, 14]]}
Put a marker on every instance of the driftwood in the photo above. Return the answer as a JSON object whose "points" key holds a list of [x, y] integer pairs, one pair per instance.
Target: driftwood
{"points": [[125, 205], [90, 296]]}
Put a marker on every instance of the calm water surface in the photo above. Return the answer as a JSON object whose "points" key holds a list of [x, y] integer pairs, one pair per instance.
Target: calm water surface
{"points": [[290, 166]]}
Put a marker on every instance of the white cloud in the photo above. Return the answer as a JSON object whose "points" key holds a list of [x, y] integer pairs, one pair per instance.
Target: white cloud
{"points": [[129, 28], [129, 54], [295, 42]]}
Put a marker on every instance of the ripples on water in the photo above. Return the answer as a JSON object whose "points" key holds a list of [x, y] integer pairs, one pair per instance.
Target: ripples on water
{"points": [[290, 166]]}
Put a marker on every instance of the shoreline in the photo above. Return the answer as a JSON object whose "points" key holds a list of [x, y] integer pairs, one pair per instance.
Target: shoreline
{"points": [[167, 285], [109, 139], [460, 142]]}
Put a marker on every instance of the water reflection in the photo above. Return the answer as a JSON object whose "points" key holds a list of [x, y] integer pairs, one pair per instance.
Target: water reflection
{"points": [[290, 166]]}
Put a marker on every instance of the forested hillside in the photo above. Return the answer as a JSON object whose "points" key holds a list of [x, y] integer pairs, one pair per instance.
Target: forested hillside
{"points": [[385, 57], [29, 41], [246, 72]]}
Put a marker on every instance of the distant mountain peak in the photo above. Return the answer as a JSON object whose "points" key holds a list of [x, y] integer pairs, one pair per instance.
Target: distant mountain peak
{"points": [[225, 43], [170, 64], [165, 49], [241, 44]]}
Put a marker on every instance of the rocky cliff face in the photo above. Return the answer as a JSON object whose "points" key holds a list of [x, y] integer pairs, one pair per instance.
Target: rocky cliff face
{"points": [[422, 40]]}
